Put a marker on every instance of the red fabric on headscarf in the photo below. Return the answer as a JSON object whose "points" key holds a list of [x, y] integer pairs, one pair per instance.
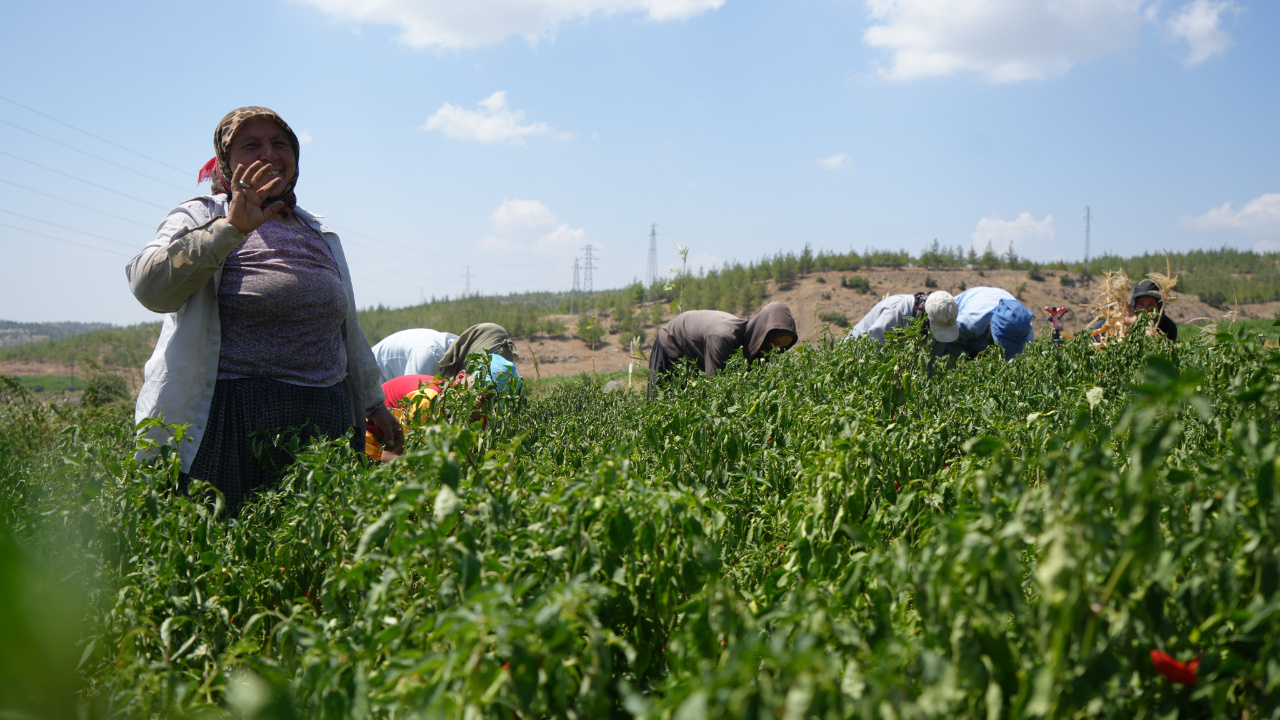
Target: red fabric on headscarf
{"points": [[206, 172]]}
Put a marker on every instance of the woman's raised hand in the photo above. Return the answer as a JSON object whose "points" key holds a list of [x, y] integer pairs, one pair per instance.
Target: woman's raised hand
{"points": [[249, 187]]}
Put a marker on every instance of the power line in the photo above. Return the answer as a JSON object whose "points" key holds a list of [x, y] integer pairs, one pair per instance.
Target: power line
{"points": [[375, 268], [435, 258], [427, 255], [69, 242], [95, 137], [64, 227], [79, 205], [836, 236], [382, 281], [145, 225], [95, 157], [80, 179], [132, 221]]}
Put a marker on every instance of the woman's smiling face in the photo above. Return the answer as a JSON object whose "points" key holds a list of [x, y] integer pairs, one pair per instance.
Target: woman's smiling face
{"points": [[262, 139]]}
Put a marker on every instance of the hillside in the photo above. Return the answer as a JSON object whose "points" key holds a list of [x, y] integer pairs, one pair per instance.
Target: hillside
{"points": [[810, 296], [116, 346], [16, 333], [812, 284]]}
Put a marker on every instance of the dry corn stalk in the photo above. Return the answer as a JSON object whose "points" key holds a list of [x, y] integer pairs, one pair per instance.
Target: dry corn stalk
{"points": [[1112, 306], [1114, 298], [1166, 282]]}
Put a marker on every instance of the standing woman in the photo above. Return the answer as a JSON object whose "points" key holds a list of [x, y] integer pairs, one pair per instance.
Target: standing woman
{"points": [[261, 329]]}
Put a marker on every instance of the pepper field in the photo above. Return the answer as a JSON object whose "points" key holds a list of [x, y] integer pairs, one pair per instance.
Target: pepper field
{"points": [[838, 533]]}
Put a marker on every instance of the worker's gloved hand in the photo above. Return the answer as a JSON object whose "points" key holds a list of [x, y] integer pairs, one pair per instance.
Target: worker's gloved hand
{"points": [[392, 433]]}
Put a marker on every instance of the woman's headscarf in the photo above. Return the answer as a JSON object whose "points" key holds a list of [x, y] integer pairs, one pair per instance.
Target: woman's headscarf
{"points": [[774, 316], [475, 339], [219, 169]]}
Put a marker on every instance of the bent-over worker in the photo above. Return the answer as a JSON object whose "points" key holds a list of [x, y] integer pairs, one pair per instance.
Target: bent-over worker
{"points": [[409, 396], [989, 315], [421, 351], [710, 337], [939, 309]]}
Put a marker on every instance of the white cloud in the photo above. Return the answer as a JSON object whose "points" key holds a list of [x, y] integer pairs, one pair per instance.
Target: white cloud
{"points": [[514, 217], [835, 162], [1002, 40], [1260, 216], [561, 238], [1200, 24], [1262, 247], [455, 24], [492, 122], [528, 224], [1028, 237], [304, 138]]}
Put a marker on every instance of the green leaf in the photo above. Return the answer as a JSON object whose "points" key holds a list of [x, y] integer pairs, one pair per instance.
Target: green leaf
{"points": [[1265, 483], [983, 446]]}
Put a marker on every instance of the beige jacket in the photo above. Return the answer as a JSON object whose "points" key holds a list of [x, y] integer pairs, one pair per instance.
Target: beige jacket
{"points": [[178, 273]]}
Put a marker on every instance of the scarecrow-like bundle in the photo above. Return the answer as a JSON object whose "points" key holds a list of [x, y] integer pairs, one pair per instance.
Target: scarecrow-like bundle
{"points": [[1114, 302], [1112, 305]]}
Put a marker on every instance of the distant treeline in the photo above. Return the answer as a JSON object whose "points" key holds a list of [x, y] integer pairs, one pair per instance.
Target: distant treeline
{"points": [[119, 346], [1218, 277], [523, 315], [53, 330]]}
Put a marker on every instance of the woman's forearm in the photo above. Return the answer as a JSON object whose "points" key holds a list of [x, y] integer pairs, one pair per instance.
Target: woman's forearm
{"points": [[163, 276]]}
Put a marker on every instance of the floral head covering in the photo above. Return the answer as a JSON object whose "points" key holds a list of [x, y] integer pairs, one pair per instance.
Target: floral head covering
{"points": [[219, 169]]}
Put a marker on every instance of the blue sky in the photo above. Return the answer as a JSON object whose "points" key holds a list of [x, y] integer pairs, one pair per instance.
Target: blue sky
{"points": [[504, 135]]}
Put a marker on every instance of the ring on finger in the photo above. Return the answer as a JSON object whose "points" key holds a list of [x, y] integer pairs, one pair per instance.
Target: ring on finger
{"points": [[244, 185]]}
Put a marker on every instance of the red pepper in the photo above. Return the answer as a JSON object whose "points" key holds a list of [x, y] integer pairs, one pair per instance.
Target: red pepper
{"points": [[1176, 671]]}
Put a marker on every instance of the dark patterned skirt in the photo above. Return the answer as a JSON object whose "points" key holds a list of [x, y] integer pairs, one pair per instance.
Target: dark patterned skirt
{"points": [[238, 459]]}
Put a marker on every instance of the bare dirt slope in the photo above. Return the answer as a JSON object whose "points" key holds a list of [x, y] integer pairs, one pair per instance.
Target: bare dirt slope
{"points": [[809, 297]]}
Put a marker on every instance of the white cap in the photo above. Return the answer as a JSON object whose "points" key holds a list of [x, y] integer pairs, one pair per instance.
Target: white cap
{"points": [[942, 311]]}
